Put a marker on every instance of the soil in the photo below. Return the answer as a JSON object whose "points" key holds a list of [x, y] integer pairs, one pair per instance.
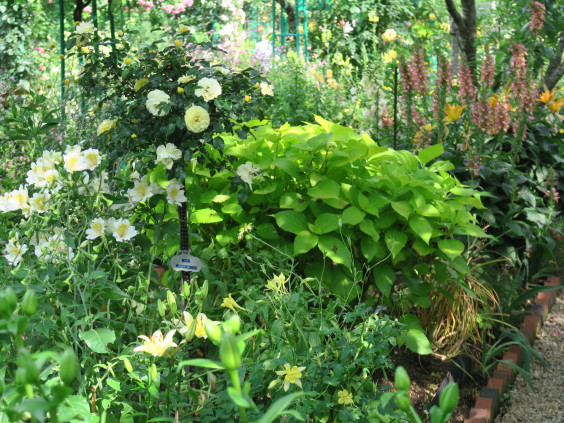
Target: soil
{"points": [[426, 373]]}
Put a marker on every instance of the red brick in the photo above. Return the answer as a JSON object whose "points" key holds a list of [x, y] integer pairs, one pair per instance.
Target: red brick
{"points": [[544, 298], [509, 356], [475, 421], [486, 404], [496, 383], [554, 281], [532, 322], [518, 351], [528, 334], [480, 413], [504, 373]]}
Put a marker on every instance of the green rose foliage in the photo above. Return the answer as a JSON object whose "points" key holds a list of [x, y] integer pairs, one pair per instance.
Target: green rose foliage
{"points": [[347, 209], [123, 83]]}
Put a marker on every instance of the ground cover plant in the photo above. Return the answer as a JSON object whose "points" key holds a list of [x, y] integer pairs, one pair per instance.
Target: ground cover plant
{"points": [[394, 191]]}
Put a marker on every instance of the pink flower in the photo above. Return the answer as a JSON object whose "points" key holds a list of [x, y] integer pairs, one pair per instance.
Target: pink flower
{"points": [[88, 9], [41, 50], [538, 16], [41, 67]]}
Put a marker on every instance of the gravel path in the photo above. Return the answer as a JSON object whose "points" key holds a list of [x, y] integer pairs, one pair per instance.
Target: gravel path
{"points": [[546, 404]]}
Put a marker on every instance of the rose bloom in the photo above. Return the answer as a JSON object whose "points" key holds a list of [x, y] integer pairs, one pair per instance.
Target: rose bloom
{"points": [[155, 99], [210, 89], [266, 89], [106, 125], [197, 119], [167, 154], [389, 35], [85, 28], [185, 79], [175, 193]]}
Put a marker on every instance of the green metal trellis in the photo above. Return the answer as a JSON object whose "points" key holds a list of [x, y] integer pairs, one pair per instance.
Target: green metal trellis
{"points": [[300, 9]]}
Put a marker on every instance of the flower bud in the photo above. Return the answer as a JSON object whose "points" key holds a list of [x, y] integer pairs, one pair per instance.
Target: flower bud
{"points": [[449, 398], [229, 353], [402, 401], [186, 290], [127, 365], [191, 331], [161, 308], [153, 372], [171, 299], [401, 379], [29, 303], [233, 325], [213, 331], [68, 367]]}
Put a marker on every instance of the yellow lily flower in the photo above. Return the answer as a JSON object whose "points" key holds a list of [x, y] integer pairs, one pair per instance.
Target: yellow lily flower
{"points": [[556, 105], [156, 345], [546, 96], [231, 304], [453, 112]]}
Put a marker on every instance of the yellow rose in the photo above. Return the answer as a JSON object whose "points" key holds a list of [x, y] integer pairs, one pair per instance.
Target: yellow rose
{"points": [[197, 119], [389, 35]]}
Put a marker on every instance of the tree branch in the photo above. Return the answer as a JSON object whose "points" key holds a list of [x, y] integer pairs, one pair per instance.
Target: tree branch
{"points": [[456, 16]]}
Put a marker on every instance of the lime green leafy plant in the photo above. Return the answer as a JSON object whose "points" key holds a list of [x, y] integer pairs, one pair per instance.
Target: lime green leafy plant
{"points": [[355, 212]]}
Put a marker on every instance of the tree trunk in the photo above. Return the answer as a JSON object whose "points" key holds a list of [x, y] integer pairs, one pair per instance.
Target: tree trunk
{"points": [[467, 27], [285, 4], [555, 69], [454, 47], [77, 13]]}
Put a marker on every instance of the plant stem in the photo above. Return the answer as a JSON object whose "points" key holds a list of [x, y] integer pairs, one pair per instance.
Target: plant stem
{"points": [[237, 385]]}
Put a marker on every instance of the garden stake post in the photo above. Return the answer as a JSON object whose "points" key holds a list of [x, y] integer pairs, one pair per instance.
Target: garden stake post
{"points": [[395, 107], [184, 240], [62, 39]]}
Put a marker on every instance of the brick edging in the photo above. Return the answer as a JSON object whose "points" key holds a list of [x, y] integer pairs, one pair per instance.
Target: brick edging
{"points": [[487, 404]]}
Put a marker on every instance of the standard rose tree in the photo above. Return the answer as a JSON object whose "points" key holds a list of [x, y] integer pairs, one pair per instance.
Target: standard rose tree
{"points": [[168, 100]]}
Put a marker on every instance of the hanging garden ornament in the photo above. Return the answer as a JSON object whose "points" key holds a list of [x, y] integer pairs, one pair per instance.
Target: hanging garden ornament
{"points": [[185, 262]]}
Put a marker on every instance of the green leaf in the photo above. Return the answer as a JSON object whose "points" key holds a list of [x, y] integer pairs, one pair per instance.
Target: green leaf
{"points": [[205, 216], [334, 248], [451, 247], [325, 223], [430, 153], [98, 339], [315, 143], [370, 248], [395, 241], [421, 227], [304, 242], [367, 226], [238, 398], [353, 216], [402, 208], [294, 201], [74, 407], [417, 342], [279, 407], [267, 231], [291, 221], [325, 189], [384, 278], [200, 362], [422, 248]]}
